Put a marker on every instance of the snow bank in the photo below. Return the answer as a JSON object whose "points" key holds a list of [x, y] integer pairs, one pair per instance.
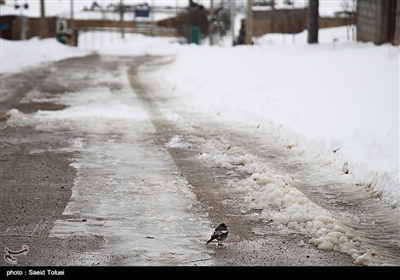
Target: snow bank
{"points": [[342, 97], [18, 55]]}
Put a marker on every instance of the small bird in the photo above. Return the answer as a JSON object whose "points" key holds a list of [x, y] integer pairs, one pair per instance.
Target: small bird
{"points": [[220, 233]]}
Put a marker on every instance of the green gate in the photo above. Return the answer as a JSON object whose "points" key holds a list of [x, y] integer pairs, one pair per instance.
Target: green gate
{"points": [[195, 35]]}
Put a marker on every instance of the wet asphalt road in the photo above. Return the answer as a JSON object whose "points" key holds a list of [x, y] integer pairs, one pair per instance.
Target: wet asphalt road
{"points": [[37, 186]]}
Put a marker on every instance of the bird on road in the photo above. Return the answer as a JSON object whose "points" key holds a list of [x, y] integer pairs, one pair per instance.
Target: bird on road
{"points": [[220, 233]]}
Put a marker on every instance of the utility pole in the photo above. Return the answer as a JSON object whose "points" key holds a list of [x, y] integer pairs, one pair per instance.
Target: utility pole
{"points": [[232, 19], [23, 20], [43, 25], [249, 22], [273, 16], [189, 21], [312, 19], [210, 24], [71, 15], [152, 11], [71, 23], [121, 13]]}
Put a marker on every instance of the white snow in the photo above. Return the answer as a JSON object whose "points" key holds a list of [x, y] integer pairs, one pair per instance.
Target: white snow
{"points": [[336, 95], [321, 98], [17, 55]]}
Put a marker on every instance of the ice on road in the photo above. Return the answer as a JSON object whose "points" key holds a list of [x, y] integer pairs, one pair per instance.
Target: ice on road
{"points": [[128, 188]]}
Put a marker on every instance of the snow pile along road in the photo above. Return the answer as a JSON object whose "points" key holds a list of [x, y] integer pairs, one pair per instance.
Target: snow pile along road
{"points": [[338, 103], [288, 185]]}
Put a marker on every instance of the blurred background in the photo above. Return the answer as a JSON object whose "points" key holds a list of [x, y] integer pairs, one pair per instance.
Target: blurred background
{"points": [[199, 22]]}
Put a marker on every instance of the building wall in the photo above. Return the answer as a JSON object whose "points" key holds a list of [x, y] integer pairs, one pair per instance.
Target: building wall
{"points": [[285, 21], [396, 40], [371, 21], [33, 28], [375, 21], [6, 25]]}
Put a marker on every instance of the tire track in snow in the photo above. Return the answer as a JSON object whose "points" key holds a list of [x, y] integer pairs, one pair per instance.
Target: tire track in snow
{"points": [[127, 189], [279, 183], [252, 241]]}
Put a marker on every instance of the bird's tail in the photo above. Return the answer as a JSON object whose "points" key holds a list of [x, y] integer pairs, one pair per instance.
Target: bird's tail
{"points": [[211, 239]]}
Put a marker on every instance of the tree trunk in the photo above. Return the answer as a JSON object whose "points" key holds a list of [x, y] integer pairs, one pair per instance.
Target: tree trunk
{"points": [[313, 16], [249, 22], [43, 25], [210, 24]]}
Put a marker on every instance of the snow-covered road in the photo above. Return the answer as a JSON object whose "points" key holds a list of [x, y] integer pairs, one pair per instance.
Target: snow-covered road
{"points": [[154, 179]]}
